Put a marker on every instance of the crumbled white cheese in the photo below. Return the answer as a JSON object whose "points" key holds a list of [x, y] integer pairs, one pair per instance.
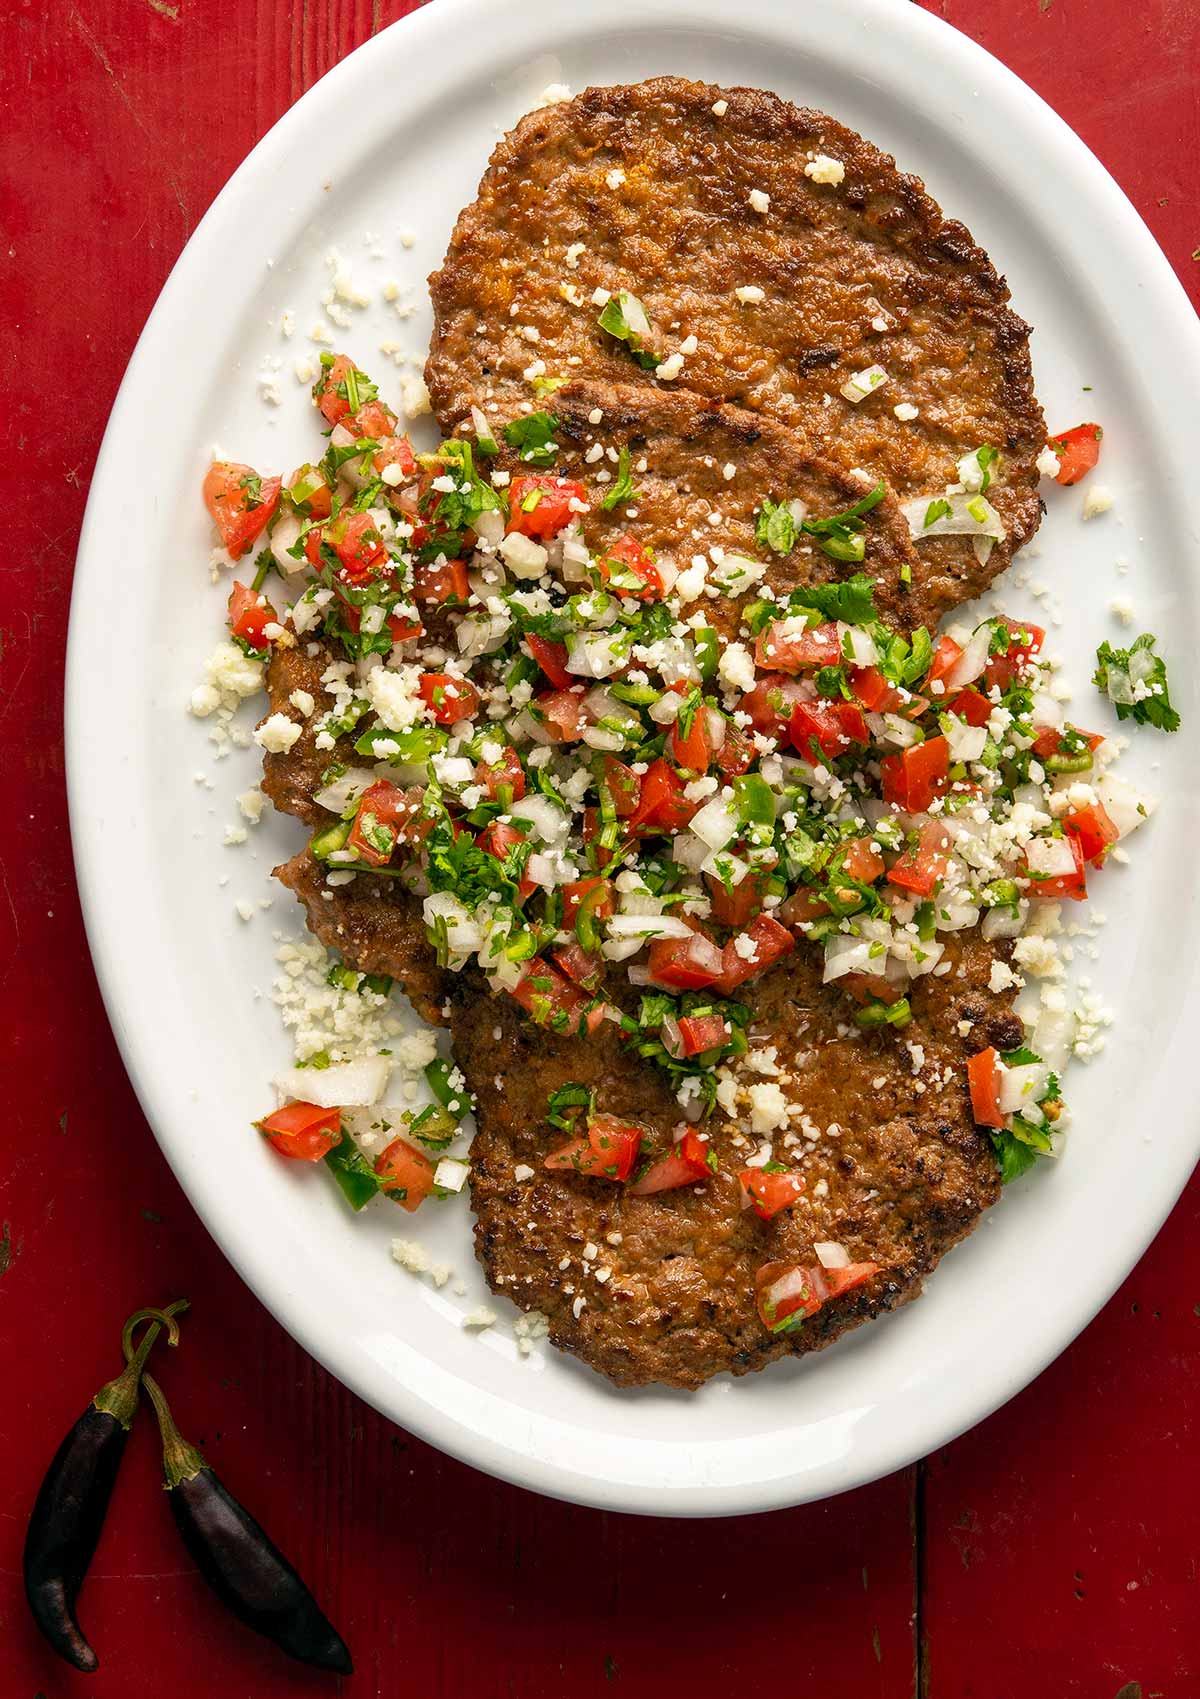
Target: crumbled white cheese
{"points": [[615, 177], [759, 200], [1123, 609], [749, 294], [720, 108], [905, 411], [670, 368], [736, 667], [277, 734], [1098, 500], [823, 169], [768, 1107], [1048, 462]]}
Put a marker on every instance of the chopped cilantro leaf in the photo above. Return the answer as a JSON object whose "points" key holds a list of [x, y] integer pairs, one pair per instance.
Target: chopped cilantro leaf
{"points": [[1135, 682]]}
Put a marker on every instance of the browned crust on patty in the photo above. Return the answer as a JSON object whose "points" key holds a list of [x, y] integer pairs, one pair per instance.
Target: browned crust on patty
{"points": [[904, 1179], [680, 233]]}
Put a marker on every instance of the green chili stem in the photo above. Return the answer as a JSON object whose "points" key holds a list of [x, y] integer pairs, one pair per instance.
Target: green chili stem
{"points": [[181, 1461], [119, 1397]]}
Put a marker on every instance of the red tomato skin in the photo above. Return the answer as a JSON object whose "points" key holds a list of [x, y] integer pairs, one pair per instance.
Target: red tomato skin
{"points": [[801, 906], [333, 406], [249, 615], [445, 582], [736, 907], [662, 806], [563, 715], [1078, 451], [601, 906], [508, 772], [983, 1078], [736, 754], [1071, 886], [318, 505], [860, 862], [699, 1033], [840, 1280], [390, 807], [913, 777], [1002, 669], [686, 1164], [630, 554], [552, 658], [228, 501], [624, 786], [864, 986], [919, 870], [449, 697], [685, 964], [395, 451], [832, 726], [771, 941], [769, 1194], [553, 508], [693, 751], [551, 997], [1094, 829], [373, 419], [582, 968], [819, 646], [945, 657], [805, 1301], [972, 706], [771, 702], [303, 1131], [404, 1168]]}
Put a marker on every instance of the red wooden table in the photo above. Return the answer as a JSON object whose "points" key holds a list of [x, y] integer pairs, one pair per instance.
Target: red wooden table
{"points": [[1050, 1553]]}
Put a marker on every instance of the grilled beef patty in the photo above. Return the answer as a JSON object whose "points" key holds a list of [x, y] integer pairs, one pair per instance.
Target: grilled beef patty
{"points": [[643, 187]]}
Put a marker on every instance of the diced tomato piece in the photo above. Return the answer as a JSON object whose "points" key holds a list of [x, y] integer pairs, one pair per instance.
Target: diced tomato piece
{"points": [[386, 817], [624, 786], [539, 504], [335, 407], [580, 965], [636, 573], [972, 706], [946, 657], [737, 905], [1072, 885], [444, 582], [1024, 640], [598, 854], [865, 986], [497, 838], [662, 806], [914, 776], [449, 697], [770, 703], [552, 658], [552, 1001], [405, 1173], [1094, 829], [373, 419], [683, 1166], [784, 1290], [607, 1153], [831, 726], [698, 1033], [779, 651], [879, 696], [860, 862], [249, 615], [919, 869], [771, 1192], [801, 906], [505, 780], [840, 1280], [309, 491], [693, 748], [303, 1130], [240, 502], [562, 714], [983, 1078], [400, 627], [1078, 451], [395, 451], [736, 755], [685, 964], [770, 940], [597, 893], [1048, 740], [355, 540]]}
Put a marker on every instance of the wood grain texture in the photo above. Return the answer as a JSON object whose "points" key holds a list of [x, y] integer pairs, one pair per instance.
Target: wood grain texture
{"points": [[1054, 1547]]}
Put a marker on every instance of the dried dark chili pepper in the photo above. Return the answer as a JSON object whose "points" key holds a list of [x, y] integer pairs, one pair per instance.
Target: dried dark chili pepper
{"points": [[73, 1499], [242, 1565]]}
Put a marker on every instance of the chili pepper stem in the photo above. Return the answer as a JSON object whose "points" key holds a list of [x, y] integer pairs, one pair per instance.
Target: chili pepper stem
{"points": [[119, 1397], [181, 1461]]}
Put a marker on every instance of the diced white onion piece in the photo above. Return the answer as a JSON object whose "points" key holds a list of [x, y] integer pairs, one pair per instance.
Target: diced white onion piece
{"points": [[729, 869], [966, 742], [972, 661], [831, 1255], [287, 529], [860, 384], [1051, 857], [982, 548], [863, 652], [1054, 1036], [344, 1085], [648, 926], [845, 954], [1126, 807], [956, 914], [485, 436], [358, 470], [716, 729], [1047, 710], [598, 737], [489, 526], [450, 1175], [1019, 1087], [917, 956], [462, 933], [892, 729], [595, 655], [715, 823], [1031, 797], [689, 851], [665, 711], [736, 573], [1003, 923], [341, 792], [548, 824], [532, 730], [620, 950], [544, 870], [480, 633], [575, 556], [961, 521]]}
